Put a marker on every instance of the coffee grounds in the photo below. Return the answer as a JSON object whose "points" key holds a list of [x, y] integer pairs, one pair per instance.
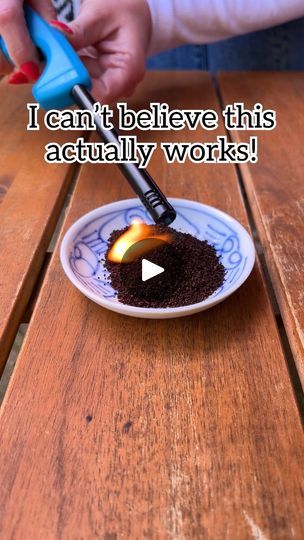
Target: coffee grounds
{"points": [[193, 271]]}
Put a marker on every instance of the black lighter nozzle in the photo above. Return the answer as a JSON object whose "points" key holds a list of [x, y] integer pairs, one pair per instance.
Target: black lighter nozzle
{"points": [[156, 203], [144, 186], [167, 217]]}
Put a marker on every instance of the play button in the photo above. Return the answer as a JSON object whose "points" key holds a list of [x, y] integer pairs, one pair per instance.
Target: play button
{"points": [[144, 261], [150, 270]]}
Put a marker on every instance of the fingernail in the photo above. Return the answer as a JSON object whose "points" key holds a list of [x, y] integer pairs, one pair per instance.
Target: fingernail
{"points": [[18, 78], [31, 70], [62, 26]]}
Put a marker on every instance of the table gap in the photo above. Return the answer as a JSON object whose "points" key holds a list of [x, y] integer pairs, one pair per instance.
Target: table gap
{"points": [[28, 310], [65, 205], [12, 358], [27, 314], [292, 369], [26, 317], [293, 372]]}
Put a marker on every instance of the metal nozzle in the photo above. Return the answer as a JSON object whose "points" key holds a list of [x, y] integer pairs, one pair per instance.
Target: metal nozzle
{"points": [[144, 186]]}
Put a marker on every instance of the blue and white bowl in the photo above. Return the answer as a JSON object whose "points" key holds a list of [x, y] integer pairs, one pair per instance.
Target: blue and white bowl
{"points": [[85, 243]]}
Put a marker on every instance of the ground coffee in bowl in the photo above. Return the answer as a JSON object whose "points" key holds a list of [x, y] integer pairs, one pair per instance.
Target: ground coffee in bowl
{"points": [[192, 272]]}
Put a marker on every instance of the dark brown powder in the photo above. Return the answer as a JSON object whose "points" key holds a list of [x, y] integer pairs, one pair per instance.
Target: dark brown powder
{"points": [[193, 271]]}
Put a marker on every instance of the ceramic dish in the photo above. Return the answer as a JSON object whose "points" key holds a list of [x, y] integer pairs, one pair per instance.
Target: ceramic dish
{"points": [[85, 244]]}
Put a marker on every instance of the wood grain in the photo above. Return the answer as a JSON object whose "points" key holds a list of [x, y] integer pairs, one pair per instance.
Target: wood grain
{"points": [[29, 210], [275, 188], [114, 427]]}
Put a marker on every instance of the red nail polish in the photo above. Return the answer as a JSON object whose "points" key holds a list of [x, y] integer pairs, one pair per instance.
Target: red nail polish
{"points": [[18, 78], [62, 26], [31, 70]]}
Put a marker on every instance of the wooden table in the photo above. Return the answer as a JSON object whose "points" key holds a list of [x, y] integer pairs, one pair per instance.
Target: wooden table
{"points": [[113, 427]]}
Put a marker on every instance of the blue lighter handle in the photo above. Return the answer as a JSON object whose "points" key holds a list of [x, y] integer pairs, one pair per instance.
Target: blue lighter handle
{"points": [[63, 68]]}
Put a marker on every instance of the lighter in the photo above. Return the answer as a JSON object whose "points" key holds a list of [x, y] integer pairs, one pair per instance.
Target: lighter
{"points": [[66, 81]]}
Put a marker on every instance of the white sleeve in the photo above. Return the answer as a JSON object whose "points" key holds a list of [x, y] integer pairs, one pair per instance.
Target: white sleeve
{"points": [[205, 21]]}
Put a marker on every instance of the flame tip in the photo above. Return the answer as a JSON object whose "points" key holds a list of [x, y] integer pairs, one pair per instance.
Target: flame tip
{"points": [[137, 231]]}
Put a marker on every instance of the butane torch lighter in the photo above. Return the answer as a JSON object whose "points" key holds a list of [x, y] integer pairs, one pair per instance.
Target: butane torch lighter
{"points": [[65, 81]]}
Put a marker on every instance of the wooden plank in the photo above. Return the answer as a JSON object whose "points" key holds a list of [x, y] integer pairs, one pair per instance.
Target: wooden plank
{"points": [[275, 188], [29, 210], [114, 427]]}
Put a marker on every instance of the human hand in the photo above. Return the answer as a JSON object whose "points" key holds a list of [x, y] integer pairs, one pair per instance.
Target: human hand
{"points": [[112, 38], [14, 32]]}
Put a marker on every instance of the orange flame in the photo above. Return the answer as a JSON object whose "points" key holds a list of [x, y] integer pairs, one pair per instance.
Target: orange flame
{"points": [[136, 233]]}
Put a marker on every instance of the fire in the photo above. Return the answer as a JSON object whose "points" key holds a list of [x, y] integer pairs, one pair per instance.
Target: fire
{"points": [[136, 233]]}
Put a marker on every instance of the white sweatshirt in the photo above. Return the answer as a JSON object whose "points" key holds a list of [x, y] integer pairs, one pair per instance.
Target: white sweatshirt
{"points": [[205, 21]]}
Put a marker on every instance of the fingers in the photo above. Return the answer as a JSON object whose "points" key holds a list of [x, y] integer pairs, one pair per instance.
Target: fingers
{"points": [[117, 79], [86, 29], [14, 32], [92, 65], [121, 70], [64, 28], [44, 8], [21, 49], [111, 86], [119, 63]]}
